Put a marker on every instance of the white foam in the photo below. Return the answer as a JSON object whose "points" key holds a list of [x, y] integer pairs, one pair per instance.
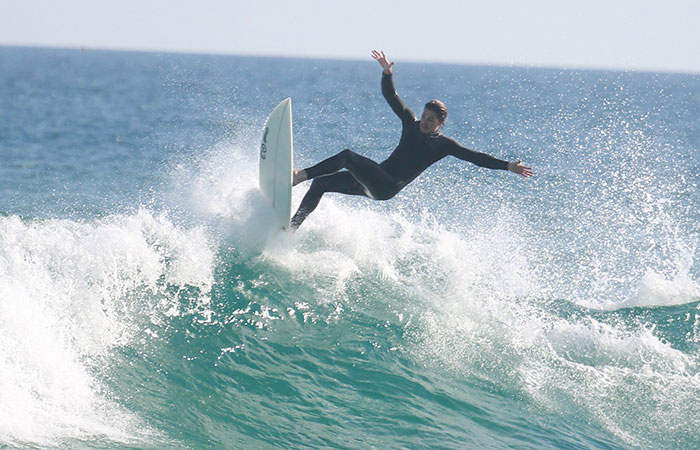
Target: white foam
{"points": [[473, 299], [629, 380], [70, 292], [655, 289]]}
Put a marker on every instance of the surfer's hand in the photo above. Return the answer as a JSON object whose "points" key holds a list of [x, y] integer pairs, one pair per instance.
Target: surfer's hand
{"points": [[383, 61], [519, 168]]}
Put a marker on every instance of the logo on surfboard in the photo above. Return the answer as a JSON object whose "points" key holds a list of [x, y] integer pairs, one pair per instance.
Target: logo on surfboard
{"points": [[263, 146]]}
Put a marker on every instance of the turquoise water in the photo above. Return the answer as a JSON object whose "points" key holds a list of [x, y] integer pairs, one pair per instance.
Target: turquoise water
{"points": [[146, 302]]}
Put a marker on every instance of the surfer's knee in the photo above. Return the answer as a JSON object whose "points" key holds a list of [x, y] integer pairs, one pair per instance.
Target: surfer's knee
{"points": [[383, 196], [386, 192], [348, 155]]}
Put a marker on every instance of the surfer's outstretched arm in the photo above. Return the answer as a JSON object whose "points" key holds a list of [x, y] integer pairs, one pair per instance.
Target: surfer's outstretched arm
{"points": [[519, 168], [483, 160]]}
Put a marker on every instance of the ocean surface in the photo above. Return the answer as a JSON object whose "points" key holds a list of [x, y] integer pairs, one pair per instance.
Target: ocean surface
{"points": [[146, 301]]}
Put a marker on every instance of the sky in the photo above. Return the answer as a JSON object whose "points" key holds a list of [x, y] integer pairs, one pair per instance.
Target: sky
{"points": [[645, 35]]}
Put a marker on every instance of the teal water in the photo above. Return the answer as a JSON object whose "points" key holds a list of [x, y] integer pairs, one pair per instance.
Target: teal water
{"points": [[145, 302]]}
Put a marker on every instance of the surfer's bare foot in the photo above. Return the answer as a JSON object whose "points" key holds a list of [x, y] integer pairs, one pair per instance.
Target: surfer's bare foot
{"points": [[298, 177]]}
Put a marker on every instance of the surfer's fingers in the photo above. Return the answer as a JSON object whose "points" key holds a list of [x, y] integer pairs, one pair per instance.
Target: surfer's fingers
{"points": [[527, 172], [380, 59]]}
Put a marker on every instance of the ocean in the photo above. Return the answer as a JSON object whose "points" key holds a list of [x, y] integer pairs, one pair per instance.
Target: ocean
{"points": [[147, 301]]}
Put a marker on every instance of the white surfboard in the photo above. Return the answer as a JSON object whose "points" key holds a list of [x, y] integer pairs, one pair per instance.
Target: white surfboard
{"points": [[276, 154]]}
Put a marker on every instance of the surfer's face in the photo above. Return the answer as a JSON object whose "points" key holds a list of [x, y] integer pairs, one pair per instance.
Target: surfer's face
{"points": [[429, 122]]}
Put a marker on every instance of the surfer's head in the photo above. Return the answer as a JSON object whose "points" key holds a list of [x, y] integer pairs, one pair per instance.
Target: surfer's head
{"points": [[433, 117]]}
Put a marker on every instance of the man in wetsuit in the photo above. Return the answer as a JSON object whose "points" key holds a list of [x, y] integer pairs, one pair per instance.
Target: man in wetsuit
{"points": [[420, 146]]}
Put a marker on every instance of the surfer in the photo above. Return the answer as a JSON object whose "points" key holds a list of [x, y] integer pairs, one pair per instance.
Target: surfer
{"points": [[420, 146]]}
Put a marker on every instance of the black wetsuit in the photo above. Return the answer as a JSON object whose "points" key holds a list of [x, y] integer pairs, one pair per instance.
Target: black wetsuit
{"points": [[415, 153]]}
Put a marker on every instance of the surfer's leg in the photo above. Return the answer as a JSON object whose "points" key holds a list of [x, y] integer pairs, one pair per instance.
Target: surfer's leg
{"points": [[376, 182], [343, 183], [298, 176]]}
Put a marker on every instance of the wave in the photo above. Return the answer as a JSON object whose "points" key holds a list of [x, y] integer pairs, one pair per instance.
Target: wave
{"points": [[207, 293]]}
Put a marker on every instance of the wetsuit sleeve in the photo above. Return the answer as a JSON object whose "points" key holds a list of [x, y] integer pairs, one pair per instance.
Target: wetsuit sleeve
{"points": [[397, 105], [480, 159]]}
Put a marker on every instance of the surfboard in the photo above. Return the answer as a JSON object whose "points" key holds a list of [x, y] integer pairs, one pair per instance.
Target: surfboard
{"points": [[276, 155]]}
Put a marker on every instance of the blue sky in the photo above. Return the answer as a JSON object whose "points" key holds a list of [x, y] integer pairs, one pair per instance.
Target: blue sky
{"points": [[657, 35]]}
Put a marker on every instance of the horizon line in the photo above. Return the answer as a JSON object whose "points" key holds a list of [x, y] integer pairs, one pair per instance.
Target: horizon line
{"points": [[214, 52]]}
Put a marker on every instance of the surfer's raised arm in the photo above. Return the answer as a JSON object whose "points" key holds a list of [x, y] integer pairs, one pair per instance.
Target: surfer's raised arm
{"points": [[389, 91], [383, 61]]}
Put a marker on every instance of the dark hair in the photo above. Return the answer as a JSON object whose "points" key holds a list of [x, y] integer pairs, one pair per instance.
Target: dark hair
{"points": [[438, 108]]}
